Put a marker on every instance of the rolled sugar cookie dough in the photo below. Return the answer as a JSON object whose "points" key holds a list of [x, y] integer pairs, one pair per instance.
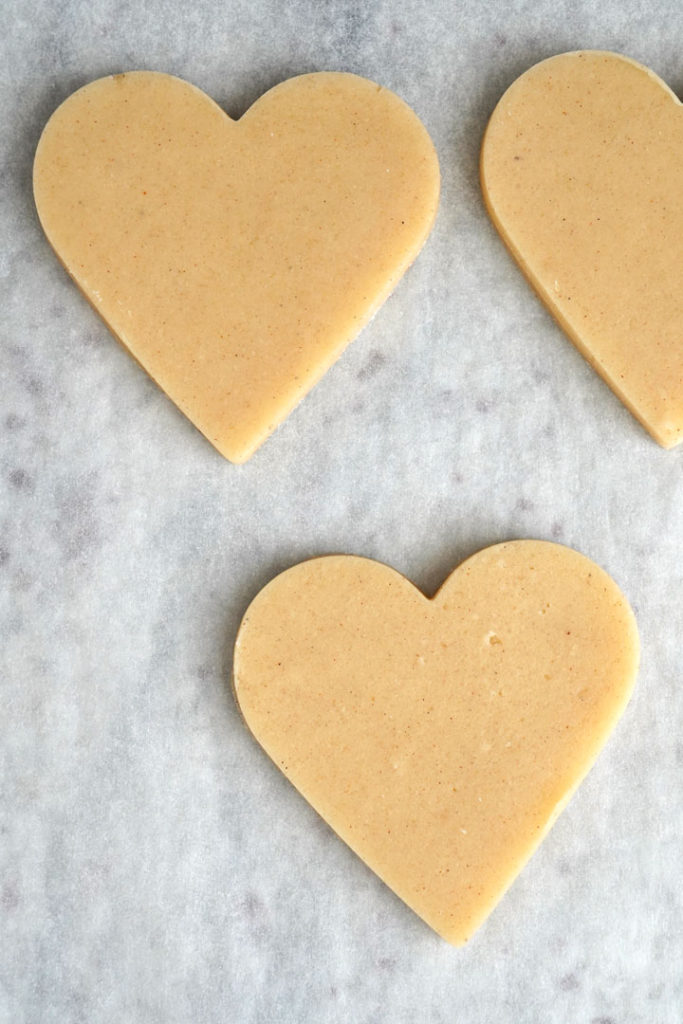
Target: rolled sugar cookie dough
{"points": [[235, 260], [439, 738], [582, 173]]}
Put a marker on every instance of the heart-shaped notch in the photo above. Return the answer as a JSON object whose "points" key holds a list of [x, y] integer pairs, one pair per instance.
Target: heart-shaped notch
{"points": [[439, 738], [582, 174], [235, 260]]}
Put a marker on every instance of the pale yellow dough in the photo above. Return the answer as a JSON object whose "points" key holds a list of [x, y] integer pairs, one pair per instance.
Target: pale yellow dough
{"points": [[236, 259], [439, 738], [582, 173]]}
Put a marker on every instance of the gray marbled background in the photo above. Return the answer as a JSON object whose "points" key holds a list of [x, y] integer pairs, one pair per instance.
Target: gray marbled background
{"points": [[154, 866]]}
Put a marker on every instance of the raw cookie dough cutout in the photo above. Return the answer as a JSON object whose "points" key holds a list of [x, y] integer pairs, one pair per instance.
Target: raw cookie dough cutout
{"points": [[235, 260], [439, 738], [582, 174]]}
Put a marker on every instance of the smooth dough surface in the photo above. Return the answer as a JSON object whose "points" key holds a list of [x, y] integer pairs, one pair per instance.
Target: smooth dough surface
{"points": [[582, 173], [439, 738], [236, 259]]}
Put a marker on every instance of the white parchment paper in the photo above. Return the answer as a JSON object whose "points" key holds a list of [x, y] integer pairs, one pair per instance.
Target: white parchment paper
{"points": [[154, 865]]}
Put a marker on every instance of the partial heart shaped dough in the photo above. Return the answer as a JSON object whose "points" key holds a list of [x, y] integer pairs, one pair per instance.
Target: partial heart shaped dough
{"points": [[439, 738], [582, 173], [235, 260]]}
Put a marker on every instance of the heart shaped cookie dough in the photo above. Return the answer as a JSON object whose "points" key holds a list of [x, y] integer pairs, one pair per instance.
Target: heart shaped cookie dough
{"points": [[439, 738], [582, 173], [235, 260]]}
